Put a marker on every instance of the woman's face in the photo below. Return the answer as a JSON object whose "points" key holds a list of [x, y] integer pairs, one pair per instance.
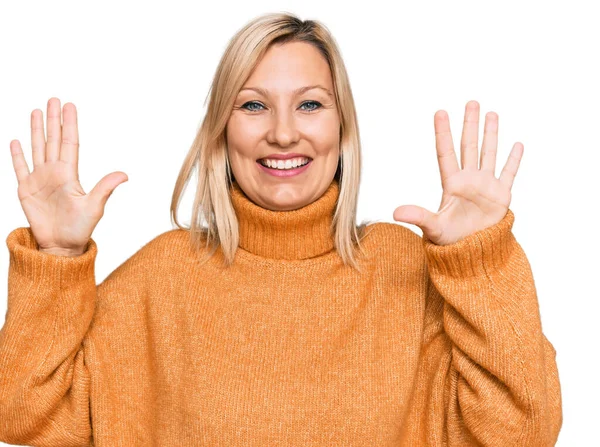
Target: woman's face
{"points": [[281, 118]]}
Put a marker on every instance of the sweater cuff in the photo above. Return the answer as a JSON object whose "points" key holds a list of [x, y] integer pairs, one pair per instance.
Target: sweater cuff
{"points": [[45, 268], [475, 255]]}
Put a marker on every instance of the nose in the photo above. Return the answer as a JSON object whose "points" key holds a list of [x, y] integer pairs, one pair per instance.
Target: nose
{"points": [[283, 130]]}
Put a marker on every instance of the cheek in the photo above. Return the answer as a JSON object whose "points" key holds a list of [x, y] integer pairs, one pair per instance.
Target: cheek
{"points": [[243, 129], [242, 137], [326, 140]]}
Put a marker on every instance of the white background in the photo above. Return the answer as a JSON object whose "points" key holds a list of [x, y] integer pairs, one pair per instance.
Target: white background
{"points": [[139, 73]]}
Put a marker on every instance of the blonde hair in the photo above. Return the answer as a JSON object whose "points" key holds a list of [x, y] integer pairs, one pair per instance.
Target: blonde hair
{"points": [[208, 153]]}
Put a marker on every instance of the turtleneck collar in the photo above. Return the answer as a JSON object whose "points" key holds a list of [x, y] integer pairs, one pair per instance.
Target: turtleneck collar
{"points": [[297, 234]]}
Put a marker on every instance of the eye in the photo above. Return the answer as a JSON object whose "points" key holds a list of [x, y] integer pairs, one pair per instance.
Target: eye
{"points": [[318, 104], [250, 103]]}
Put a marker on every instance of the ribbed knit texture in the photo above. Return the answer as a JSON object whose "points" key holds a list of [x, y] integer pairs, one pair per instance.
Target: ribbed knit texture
{"points": [[298, 234], [430, 346]]}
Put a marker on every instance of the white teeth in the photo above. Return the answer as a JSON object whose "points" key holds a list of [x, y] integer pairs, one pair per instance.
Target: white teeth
{"points": [[284, 164]]}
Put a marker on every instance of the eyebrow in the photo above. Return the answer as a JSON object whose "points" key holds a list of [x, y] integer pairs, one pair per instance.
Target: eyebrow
{"points": [[297, 91]]}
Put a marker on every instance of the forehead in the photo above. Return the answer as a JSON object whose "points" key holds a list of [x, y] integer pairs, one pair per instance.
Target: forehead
{"points": [[285, 67]]}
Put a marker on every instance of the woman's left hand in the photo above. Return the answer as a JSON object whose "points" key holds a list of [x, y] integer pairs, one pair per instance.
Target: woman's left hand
{"points": [[473, 198]]}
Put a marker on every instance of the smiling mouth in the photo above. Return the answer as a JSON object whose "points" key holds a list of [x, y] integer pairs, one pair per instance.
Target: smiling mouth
{"points": [[264, 163]]}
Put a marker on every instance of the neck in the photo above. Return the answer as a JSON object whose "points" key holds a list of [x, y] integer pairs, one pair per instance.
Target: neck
{"points": [[298, 234]]}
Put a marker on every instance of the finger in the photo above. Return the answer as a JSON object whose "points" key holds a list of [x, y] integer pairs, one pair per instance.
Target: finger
{"points": [[489, 147], [469, 149], [38, 139], [53, 129], [509, 172], [106, 186], [69, 149], [416, 215], [18, 161], [444, 146]]}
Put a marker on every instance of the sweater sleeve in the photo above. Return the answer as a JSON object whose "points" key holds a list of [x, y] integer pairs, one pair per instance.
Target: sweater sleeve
{"points": [[489, 373], [44, 381]]}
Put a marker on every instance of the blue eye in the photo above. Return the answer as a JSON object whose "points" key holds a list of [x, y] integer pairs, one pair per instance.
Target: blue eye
{"points": [[318, 104], [251, 103]]}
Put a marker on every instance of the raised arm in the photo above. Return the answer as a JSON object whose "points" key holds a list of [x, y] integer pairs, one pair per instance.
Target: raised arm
{"points": [[488, 373], [44, 381]]}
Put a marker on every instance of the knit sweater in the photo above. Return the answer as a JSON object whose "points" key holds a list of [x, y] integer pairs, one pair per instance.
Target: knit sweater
{"points": [[429, 346]]}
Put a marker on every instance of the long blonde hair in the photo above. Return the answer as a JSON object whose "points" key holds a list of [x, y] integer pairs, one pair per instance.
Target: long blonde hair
{"points": [[208, 153]]}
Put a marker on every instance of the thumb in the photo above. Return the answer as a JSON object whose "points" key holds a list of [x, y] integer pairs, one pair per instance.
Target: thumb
{"points": [[106, 186], [415, 215]]}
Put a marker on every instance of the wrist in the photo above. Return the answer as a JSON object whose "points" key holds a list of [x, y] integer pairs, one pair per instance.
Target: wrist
{"points": [[63, 251]]}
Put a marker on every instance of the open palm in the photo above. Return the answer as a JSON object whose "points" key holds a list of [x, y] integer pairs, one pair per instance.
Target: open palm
{"points": [[61, 216], [473, 198]]}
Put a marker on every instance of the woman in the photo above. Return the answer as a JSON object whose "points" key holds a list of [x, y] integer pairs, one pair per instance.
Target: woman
{"points": [[274, 319]]}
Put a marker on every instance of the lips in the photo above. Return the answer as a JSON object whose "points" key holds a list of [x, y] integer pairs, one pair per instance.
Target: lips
{"points": [[282, 173], [284, 156], [263, 162]]}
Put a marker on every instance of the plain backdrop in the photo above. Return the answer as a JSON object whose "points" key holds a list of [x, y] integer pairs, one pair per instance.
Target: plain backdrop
{"points": [[139, 74]]}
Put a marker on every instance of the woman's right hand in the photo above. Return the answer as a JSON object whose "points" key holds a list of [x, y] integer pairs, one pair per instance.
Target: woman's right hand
{"points": [[61, 216]]}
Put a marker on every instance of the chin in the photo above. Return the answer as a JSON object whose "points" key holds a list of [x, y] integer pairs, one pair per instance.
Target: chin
{"points": [[286, 203]]}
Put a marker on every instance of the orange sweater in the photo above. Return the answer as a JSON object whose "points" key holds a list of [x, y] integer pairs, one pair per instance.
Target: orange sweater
{"points": [[431, 346]]}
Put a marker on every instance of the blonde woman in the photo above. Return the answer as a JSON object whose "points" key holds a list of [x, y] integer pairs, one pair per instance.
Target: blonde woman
{"points": [[274, 319]]}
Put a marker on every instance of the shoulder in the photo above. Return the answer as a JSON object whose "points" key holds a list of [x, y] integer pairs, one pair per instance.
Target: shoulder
{"points": [[396, 245], [168, 243], [386, 235], [153, 257]]}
